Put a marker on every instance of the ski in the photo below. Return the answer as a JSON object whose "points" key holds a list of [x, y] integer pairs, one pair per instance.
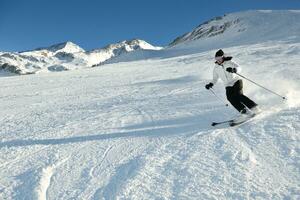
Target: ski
{"points": [[238, 123], [223, 122], [235, 123]]}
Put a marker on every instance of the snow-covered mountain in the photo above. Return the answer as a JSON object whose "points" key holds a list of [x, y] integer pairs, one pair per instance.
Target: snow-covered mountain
{"points": [[66, 56], [66, 47], [243, 28], [98, 56]]}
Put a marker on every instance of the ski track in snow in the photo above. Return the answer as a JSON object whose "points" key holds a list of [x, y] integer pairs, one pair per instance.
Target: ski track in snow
{"points": [[122, 131], [44, 183], [45, 180]]}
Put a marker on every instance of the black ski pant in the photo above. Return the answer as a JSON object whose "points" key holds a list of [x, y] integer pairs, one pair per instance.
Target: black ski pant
{"points": [[236, 97]]}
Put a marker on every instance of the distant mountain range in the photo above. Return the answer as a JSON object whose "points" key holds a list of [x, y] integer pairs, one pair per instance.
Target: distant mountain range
{"points": [[228, 30], [66, 56]]}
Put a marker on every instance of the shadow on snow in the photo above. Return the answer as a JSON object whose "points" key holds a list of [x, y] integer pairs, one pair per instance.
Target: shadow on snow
{"points": [[164, 128]]}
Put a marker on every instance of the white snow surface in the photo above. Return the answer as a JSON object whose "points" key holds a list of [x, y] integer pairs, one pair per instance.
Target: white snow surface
{"points": [[142, 129]]}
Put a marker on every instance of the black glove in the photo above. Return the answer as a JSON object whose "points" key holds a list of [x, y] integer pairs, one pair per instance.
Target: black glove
{"points": [[208, 86], [231, 70]]}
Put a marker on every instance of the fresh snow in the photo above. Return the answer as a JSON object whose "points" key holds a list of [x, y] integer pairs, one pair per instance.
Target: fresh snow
{"points": [[142, 129]]}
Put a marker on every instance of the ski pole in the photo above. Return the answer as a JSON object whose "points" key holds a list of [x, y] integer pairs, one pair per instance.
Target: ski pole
{"points": [[262, 86], [221, 100]]}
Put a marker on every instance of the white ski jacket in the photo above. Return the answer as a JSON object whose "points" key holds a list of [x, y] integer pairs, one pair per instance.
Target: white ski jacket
{"points": [[228, 78]]}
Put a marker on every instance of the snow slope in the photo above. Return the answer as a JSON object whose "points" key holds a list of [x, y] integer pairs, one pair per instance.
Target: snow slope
{"points": [[141, 129], [244, 28]]}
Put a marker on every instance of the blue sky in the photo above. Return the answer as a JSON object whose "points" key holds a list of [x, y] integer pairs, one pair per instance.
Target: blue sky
{"points": [[28, 24]]}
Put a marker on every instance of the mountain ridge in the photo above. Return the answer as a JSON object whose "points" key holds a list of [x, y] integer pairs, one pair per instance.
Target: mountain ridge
{"points": [[251, 25], [66, 56]]}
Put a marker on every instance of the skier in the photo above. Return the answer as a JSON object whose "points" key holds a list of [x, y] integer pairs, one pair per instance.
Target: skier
{"points": [[225, 69]]}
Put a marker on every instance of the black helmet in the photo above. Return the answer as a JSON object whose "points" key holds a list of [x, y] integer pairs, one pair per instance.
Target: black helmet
{"points": [[219, 53]]}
